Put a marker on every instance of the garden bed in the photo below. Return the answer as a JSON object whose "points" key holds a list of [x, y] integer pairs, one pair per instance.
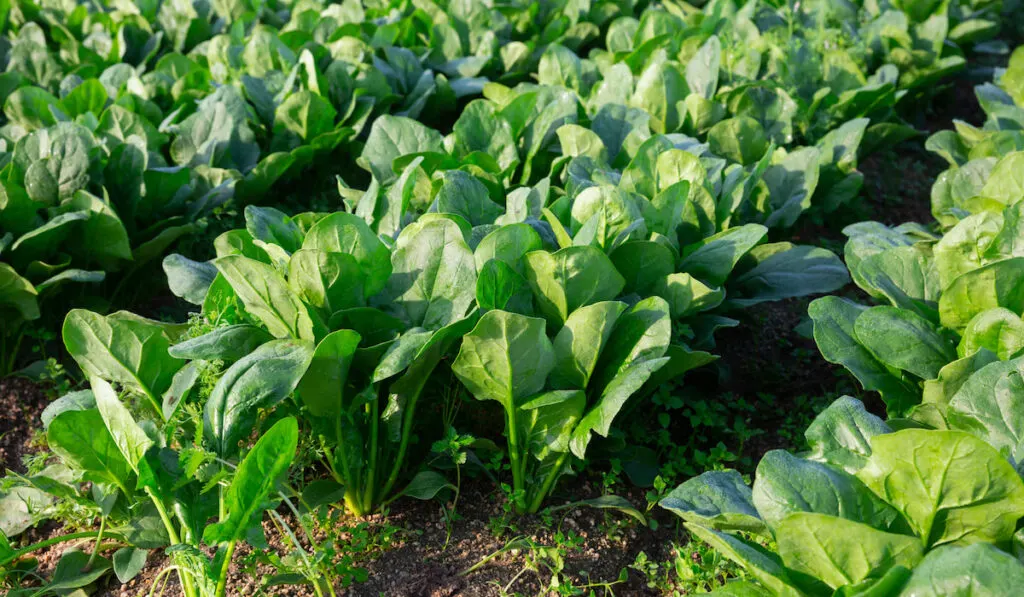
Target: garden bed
{"points": [[448, 300]]}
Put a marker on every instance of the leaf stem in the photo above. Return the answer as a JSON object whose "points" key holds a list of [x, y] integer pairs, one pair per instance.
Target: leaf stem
{"points": [[47, 543], [186, 581], [346, 474], [514, 456], [549, 482], [221, 509], [513, 543], [222, 578], [287, 532], [351, 484], [371, 474], [99, 539], [162, 577], [9, 365], [403, 444]]}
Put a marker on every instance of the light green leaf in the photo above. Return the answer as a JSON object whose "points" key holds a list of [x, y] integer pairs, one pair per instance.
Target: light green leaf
{"points": [[643, 264], [129, 561], [463, 194], [189, 279], [580, 342], [904, 340], [610, 402], [783, 270], [978, 570], [988, 406], [131, 440], [548, 420], [81, 440], [498, 286], [228, 343], [740, 139], [17, 293], [345, 233], [571, 278], [433, 280], [702, 69], [715, 257], [786, 484], [267, 296], [998, 330], [952, 488], [1000, 284], [130, 351], [330, 282], [842, 552], [834, 319], [392, 137], [322, 387], [426, 485], [256, 477], [506, 358], [272, 226]]}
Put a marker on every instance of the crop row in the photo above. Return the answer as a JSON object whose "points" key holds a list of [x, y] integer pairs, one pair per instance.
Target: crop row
{"points": [[140, 123], [929, 502], [601, 201]]}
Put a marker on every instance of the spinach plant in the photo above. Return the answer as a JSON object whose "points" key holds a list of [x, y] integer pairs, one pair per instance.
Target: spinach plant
{"points": [[869, 511], [374, 322], [148, 495], [557, 393], [953, 298]]}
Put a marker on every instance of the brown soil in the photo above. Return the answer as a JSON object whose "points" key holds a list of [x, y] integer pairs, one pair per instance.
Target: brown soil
{"points": [[768, 360], [898, 180], [897, 185], [21, 403], [409, 555], [421, 565], [956, 101]]}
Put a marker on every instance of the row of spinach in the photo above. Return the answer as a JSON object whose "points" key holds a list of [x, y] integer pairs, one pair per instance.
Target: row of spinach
{"points": [[140, 123], [930, 501], [128, 127]]}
